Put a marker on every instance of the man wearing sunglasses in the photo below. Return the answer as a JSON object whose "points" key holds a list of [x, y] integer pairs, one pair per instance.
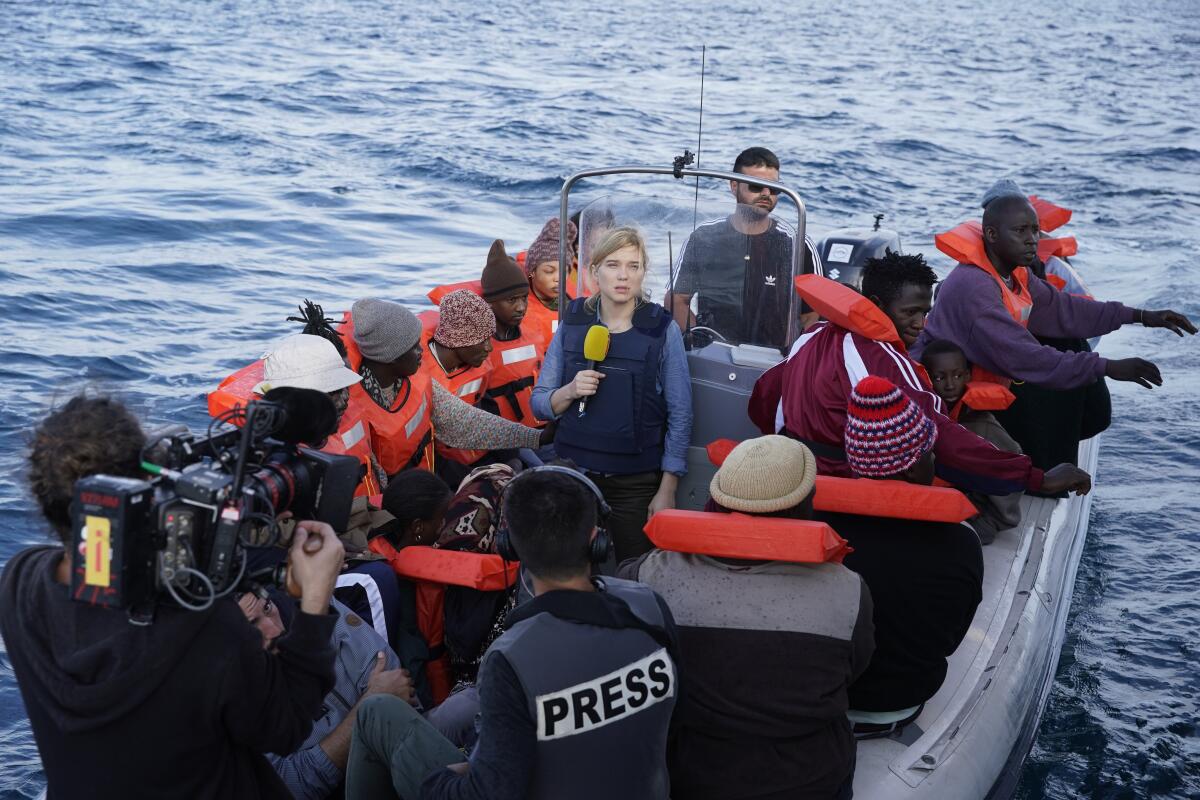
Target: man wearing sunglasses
{"points": [[740, 267]]}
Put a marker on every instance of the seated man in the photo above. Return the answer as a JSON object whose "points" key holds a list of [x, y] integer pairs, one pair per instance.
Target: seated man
{"points": [[950, 372], [795, 635], [575, 697], [926, 578], [741, 266], [992, 308], [517, 349], [805, 397], [365, 666]]}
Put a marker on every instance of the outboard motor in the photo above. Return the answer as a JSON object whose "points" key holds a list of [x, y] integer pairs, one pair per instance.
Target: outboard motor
{"points": [[845, 251]]}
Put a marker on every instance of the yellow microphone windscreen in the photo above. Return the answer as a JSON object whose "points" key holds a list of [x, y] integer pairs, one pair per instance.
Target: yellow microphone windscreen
{"points": [[595, 344]]}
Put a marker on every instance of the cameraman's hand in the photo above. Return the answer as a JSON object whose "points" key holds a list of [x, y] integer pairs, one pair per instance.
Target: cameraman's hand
{"points": [[396, 682], [1134, 370], [1066, 478], [315, 558]]}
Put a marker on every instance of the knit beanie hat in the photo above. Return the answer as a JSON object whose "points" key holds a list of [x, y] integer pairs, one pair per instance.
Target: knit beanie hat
{"points": [[545, 246], [759, 476], [1005, 187], [384, 330], [464, 320], [502, 275], [886, 433]]}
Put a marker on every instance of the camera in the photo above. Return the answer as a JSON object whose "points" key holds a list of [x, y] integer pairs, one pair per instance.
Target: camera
{"points": [[181, 536]]}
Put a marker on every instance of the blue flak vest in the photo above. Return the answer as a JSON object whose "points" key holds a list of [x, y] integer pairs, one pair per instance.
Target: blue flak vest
{"points": [[601, 701], [625, 424]]}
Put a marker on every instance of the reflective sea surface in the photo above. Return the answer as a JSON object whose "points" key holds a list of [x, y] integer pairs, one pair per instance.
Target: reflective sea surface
{"points": [[176, 176]]}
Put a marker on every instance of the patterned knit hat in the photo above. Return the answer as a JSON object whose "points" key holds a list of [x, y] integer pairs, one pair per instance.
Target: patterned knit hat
{"points": [[464, 320], [886, 433], [545, 247]]}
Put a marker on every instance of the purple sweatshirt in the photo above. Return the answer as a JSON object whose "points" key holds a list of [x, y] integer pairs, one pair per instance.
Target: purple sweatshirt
{"points": [[970, 312]]}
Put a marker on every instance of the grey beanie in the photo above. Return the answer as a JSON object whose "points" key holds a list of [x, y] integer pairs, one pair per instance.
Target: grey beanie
{"points": [[384, 330], [1005, 187]]}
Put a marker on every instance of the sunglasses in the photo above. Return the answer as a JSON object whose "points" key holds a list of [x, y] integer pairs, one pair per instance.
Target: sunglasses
{"points": [[756, 188]]}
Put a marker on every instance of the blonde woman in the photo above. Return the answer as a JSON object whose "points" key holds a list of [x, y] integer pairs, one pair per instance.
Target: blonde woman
{"points": [[632, 437]]}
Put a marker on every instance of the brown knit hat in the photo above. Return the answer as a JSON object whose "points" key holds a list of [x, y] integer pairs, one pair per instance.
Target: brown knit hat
{"points": [[759, 476], [545, 246], [501, 275]]}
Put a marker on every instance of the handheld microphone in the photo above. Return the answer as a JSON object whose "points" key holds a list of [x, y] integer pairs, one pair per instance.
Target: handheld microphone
{"points": [[595, 348]]}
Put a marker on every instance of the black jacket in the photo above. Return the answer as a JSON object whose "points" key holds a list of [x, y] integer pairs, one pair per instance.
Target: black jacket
{"points": [[181, 708]]}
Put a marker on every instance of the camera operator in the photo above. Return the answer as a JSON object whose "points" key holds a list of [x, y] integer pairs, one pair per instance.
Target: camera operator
{"points": [[183, 707]]}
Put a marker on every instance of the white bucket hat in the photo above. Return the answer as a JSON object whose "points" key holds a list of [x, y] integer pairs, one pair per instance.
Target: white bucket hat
{"points": [[304, 361]]}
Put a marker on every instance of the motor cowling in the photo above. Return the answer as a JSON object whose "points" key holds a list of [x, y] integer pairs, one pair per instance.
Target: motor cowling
{"points": [[844, 252]]}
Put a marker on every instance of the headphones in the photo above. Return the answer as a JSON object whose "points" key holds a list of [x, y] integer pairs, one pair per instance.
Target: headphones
{"points": [[600, 545]]}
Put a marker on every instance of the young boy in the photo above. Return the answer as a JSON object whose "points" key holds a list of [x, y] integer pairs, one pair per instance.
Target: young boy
{"points": [[950, 373], [517, 352]]}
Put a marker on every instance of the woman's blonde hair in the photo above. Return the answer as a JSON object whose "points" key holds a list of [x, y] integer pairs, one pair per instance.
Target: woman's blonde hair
{"points": [[614, 240]]}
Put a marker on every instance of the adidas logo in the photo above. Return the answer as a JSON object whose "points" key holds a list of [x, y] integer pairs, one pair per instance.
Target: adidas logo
{"points": [[770, 280]]}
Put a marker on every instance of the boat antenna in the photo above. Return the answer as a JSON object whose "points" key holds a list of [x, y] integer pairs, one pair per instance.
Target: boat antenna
{"points": [[699, 132]]}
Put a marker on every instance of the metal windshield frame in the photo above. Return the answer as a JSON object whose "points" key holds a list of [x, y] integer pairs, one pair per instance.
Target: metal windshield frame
{"points": [[679, 174]]}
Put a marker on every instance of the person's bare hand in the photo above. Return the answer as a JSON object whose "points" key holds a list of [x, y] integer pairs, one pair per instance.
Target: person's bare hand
{"points": [[586, 382], [1066, 478], [396, 682], [1171, 320], [315, 559], [1134, 370]]}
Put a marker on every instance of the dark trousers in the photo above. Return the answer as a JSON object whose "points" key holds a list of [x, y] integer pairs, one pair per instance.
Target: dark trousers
{"points": [[629, 498], [392, 750]]}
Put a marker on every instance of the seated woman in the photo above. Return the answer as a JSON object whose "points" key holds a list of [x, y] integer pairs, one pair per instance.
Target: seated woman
{"points": [[625, 420], [418, 500], [541, 268], [794, 635]]}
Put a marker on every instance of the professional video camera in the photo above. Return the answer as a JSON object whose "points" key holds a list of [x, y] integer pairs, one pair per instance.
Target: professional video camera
{"points": [[183, 534]]}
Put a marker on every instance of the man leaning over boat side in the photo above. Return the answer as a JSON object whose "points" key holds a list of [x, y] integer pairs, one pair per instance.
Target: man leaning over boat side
{"points": [[741, 265], [575, 697], [794, 635], [805, 397], [992, 307], [184, 707], [926, 578]]}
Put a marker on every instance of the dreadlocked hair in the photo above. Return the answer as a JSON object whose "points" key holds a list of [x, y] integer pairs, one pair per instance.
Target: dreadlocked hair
{"points": [[317, 324], [886, 277]]}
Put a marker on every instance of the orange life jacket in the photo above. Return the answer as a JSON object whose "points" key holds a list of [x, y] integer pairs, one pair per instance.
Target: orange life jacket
{"points": [[352, 438], [1050, 217], [745, 536], [965, 245], [466, 384], [431, 570], [402, 436], [848, 309], [874, 498], [513, 368], [983, 396], [1062, 248]]}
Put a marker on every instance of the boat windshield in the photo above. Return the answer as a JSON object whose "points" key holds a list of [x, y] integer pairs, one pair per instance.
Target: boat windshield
{"points": [[730, 279]]}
